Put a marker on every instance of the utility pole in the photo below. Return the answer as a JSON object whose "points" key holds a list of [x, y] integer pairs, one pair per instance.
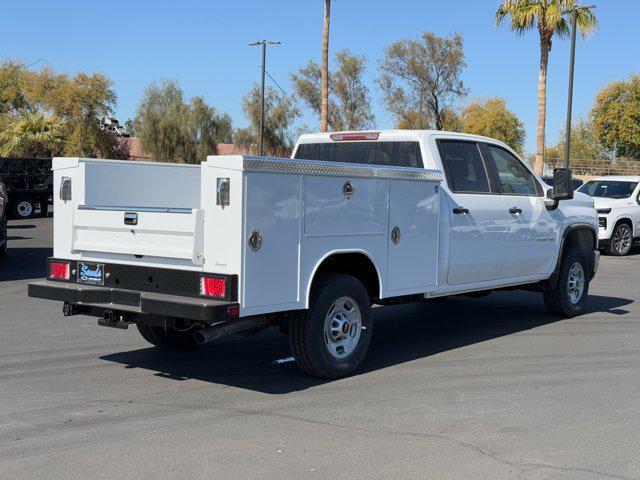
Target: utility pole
{"points": [[264, 44], [574, 26]]}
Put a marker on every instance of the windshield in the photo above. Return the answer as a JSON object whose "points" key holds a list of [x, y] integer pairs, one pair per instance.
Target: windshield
{"points": [[608, 188]]}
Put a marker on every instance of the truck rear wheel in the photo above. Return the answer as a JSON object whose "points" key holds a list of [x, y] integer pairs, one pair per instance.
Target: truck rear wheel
{"points": [[44, 207], [568, 296], [24, 208], [331, 339], [3, 237], [168, 338]]}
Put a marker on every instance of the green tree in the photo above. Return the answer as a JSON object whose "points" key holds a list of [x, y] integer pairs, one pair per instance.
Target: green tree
{"points": [[616, 117], [349, 107], [78, 102], [12, 88], [492, 119], [173, 130], [206, 128], [546, 17], [32, 135], [451, 121], [584, 143], [130, 127], [280, 111], [82, 102], [420, 79]]}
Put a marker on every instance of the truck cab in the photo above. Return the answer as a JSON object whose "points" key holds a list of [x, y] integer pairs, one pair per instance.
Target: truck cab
{"points": [[310, 243]]}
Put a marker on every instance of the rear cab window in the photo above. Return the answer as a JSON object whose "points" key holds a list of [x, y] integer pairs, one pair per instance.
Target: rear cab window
{"points": [[463, 166], [384, 153]]}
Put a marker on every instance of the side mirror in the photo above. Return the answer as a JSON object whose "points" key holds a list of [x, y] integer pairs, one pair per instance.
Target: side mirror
{"points": [[550, 202], [562, 184]]}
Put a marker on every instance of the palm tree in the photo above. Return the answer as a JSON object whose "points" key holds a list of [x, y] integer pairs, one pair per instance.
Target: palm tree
{"points": [[546, 16], [32, 134], [325, 67]]}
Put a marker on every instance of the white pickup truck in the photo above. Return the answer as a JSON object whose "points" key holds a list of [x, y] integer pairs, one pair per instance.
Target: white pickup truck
{"points": [[617, 201], [190, 253]]}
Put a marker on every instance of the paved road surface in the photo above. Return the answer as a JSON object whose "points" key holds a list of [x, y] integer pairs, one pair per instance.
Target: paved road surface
{"points": [[490, 388]]}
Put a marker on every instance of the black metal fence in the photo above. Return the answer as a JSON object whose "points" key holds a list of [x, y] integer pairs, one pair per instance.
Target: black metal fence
{"points": [[26, 174], [597, 167]]}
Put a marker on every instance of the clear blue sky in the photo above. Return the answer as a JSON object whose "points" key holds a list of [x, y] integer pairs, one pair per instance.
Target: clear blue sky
{"points": [[204, 46]]}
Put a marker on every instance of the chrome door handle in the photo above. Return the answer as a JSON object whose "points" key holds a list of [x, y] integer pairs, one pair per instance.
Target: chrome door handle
{"points": [[515, 210], [460, 210]]}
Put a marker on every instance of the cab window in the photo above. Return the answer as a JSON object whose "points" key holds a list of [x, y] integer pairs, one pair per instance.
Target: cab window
{"points": [[463, 166], [389, 154], [513, 177]]}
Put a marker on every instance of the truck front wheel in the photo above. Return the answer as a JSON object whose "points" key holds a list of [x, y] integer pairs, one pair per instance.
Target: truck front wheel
{"points": [[572, 286], [168, 338], [621, 240], [331, 339]]}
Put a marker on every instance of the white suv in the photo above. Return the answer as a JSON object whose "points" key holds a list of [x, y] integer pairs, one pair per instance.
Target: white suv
{"points": [[617, 200]]}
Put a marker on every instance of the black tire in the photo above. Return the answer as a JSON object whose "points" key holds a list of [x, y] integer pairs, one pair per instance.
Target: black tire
{"points": [[24, 207], [169, 338], [3, 237], [621, 240], [307, 328], [558, 301], [44, 207]]}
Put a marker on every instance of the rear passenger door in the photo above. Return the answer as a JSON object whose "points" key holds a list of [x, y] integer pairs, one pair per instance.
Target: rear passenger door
{"points": [[478, 218], [532, 232]]}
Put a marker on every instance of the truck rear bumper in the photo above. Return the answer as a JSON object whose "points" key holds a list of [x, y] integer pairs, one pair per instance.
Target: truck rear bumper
{"points": [[94, 300]]}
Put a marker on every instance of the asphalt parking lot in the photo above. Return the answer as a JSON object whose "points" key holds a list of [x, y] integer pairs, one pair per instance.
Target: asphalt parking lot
{"points": [[490, 388]]}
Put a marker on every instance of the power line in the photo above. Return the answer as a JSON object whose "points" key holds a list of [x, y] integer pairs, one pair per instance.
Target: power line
{"points": [[274, 81]]}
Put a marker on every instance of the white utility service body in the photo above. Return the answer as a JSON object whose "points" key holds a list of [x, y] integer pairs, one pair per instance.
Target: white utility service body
{"points": [[268, 227]]}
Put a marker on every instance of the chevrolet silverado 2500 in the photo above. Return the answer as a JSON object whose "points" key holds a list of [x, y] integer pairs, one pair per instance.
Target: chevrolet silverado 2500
{"points": [[190, 253]]}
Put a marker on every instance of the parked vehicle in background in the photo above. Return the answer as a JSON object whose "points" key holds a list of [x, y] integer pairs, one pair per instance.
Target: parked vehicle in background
{"points": [[310, 243], [617, 201], [29, 182], [4, 199], [575, 182]]}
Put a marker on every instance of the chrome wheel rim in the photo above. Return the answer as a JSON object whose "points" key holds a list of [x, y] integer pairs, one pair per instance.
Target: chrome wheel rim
{"points": [[24, 208], [575, 283], [342, 327], [622, 239]]}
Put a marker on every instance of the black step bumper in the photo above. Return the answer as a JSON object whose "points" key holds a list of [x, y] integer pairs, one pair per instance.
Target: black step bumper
{"points": [[93, 300]]}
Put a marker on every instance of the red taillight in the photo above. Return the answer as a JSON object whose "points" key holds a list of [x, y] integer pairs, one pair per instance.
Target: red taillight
{"points": [[343, 137], [213, 287], [59, 270]]}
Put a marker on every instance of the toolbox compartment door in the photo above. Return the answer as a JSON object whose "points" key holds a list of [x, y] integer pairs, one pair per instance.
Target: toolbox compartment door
{"points": [[166, 233]]}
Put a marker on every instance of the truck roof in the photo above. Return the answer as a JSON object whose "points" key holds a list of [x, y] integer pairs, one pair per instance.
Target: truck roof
{"points": [[388, 135]]}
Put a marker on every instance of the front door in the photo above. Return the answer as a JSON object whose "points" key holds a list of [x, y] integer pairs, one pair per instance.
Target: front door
{"points": [[532, 232], [478, 219]]}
